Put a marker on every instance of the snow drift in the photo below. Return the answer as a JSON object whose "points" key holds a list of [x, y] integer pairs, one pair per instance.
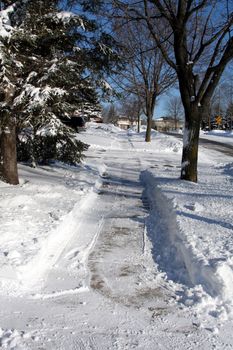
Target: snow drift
{"points": [[176, 253]]}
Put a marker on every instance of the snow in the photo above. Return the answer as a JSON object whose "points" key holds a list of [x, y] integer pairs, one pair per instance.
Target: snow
{"points": [[37, 95], [66, 16], [51, 128], [106, 85], [118, 252], [6, 28], [5, 23], [218, 135]]}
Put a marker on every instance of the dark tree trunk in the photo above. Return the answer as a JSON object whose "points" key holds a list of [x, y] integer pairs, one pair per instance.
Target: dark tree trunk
{"points": [[149, 114], [139, 121], [175, 122], [9, 171], [148, 128], [187, 84], [190, 144]]}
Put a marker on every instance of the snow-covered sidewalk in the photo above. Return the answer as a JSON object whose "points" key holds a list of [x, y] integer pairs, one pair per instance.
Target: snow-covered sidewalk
{"points": [[120, 236]]}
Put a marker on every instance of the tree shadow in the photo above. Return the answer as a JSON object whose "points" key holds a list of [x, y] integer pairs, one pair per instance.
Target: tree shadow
{"points": [[205, 219]]}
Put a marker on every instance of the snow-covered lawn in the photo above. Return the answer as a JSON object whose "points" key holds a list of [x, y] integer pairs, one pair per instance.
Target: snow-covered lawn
{"points": [[118, 253], [218, 135]]}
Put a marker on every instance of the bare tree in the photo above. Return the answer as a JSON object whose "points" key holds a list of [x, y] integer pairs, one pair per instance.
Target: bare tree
{"points": [[146, 73], [110, 114], [174, 109], [200, 33], [131, 106]]}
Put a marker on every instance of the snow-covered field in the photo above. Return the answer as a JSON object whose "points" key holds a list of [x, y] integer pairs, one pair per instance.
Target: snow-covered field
{"points": [[118, 253]]}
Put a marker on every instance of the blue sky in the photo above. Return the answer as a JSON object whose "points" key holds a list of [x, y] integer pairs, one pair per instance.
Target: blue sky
{"points": [[160, 109]]}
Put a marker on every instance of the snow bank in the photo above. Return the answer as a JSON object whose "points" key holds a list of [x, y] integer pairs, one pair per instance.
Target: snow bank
{"points": [[101, 136], [218, 135], [189, 247], [104, 127], [40, 216], [29, 274], [159, 142]]}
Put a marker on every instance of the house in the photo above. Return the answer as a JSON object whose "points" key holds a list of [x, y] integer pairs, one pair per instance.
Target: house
{"points": [[167, 124], [96, 119], [126, 123]]}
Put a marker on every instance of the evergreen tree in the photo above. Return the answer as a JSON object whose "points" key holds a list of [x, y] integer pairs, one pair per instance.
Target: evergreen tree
{"points": [[52, 62]]}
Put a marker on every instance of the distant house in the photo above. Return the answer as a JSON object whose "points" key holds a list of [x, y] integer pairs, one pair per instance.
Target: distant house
{"points": [[96, 119], [167, 124], [125, 123]]}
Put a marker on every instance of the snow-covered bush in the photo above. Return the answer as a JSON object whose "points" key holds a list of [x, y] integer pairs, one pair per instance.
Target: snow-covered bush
{"points": [[46, 149], [40, 143]]}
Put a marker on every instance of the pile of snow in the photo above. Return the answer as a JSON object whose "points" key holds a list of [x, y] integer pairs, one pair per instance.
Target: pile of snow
{"points": [[37, 220], [103, 127], [159, 142], [196, 246], [101, 136]]}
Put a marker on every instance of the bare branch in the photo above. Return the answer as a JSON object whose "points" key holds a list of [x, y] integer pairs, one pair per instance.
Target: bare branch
{"points": [[169, 15], [189, 13], [156, 38], [216, 71], [221, 33]]}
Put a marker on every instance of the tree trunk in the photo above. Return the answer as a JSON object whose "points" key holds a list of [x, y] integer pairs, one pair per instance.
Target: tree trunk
{"points": [[175, 123], [9, 171], [190, 144], [148, 128], [139, 121]]}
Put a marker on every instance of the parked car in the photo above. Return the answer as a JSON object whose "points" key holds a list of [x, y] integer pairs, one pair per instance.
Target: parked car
{"points": [[77, 123]]}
